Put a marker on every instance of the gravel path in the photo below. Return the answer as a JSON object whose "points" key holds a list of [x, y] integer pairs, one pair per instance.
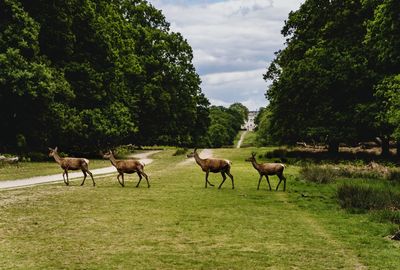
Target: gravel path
{"points": [[11, 184], [241, 139]]}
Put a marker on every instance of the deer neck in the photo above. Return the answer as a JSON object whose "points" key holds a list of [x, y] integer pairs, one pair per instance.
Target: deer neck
{"points": [[113, 160], [255, 164], [199, 160], [57, 158]]}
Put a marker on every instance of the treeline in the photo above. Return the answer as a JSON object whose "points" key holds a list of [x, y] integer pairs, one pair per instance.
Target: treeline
{"points": [[225, 124], [84, 74], [338, 79]]}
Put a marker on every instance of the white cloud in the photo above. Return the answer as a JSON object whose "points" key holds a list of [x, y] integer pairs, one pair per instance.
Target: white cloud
{"points": [[231, 40]]}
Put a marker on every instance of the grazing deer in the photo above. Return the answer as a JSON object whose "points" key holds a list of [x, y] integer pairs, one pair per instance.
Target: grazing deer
{"points": [[215, 166], [127, 166], [266, 169], [72, 164]]}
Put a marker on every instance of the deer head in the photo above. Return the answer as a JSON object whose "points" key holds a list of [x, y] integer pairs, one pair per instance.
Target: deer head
{"points": [[53, 151], [252, 158]]}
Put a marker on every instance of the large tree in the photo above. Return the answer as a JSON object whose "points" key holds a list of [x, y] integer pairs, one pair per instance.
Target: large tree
{"points": [[321, 80], [85, 74]]}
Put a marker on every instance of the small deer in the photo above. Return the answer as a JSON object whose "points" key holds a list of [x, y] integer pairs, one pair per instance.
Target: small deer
{"points": [[72, 164], [215, 166], [266, 169], [127, 166]]}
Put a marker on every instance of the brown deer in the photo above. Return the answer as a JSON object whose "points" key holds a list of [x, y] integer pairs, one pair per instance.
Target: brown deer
{"points": [[266, 169], [215, 166], [72, 164], [127, 166]]}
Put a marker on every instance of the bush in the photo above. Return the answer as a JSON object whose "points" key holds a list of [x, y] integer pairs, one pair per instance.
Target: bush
{"points": [[387, 215], [365, 197], [124, 150], [180, 151], [394, 175], [277, 153], [318, 174], [38, 156]]}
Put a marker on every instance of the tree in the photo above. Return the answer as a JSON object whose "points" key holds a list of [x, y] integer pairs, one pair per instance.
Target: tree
{"points": [[321, 79], [383, 30]]}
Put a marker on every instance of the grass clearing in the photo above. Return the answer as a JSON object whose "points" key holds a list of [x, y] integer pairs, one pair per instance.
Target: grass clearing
{"points": [[178, 224]]}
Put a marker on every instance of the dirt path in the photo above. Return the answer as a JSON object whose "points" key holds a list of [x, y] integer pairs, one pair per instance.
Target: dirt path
{"points": [[206, 153], [241, 139], [20, 183]]}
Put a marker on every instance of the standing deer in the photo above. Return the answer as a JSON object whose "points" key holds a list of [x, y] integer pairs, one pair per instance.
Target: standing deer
{"points": [[215, 166], [72, 164], [266, 169], [127, 166]]}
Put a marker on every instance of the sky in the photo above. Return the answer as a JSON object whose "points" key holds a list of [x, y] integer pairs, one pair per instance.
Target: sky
{"points": [[233, 42]]}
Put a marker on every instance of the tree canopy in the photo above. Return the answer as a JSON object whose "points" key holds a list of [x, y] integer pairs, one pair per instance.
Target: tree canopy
{"points": [[85, 74], [331, 81]]}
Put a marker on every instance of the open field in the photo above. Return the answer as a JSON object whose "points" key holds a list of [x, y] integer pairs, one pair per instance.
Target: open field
{"points": [[178, 224]]}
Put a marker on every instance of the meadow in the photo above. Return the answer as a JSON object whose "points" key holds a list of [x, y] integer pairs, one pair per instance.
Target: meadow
{"points": [[178, 224]]}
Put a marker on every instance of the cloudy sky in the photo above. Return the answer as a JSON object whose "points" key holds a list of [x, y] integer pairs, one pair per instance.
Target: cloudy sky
{"points": [[233, 42]]}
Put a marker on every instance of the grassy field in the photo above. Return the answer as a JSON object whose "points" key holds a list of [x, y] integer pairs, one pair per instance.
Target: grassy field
{"points": [[31, 169], [178, 224]]}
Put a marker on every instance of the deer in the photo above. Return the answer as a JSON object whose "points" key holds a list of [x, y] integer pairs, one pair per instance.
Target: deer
{"points": [[71, 164], [127, 166], [266, 169], [215, 166]]}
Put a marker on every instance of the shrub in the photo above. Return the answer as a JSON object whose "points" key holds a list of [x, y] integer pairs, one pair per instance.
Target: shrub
{"points": [[394, 175], [318, 174], [387, 215], [180, 151], [38, 156], [124, 150], [365, 197], [277, 153]]}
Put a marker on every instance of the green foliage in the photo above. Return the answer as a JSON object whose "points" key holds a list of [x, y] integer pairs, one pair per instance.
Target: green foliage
{"points": [[224, 126], [367, 197], [322, 82], [180, 151], [91, 74], [318, 174]]}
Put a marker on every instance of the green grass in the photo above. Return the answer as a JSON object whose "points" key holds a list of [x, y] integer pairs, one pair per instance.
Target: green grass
{"points": [[31, 169], [178, 224], [250, 140]]}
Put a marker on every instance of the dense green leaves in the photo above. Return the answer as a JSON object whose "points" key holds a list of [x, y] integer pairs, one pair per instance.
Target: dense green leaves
{"points": [[86, 74], [330, 83]]}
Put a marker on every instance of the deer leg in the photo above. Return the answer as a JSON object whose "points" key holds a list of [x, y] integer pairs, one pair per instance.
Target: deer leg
{"points": [[269, 184], [84, 177], [284, 183], [140, 178], [66, 173], [223, 179], [121, 183], [231, 177], [259, 181], [91, 175], [207, 172], [280, 180], [65, 182], [147, 178]]}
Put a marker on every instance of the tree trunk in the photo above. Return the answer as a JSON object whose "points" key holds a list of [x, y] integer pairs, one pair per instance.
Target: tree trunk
{"points": [[333, 147], [385, 147]]}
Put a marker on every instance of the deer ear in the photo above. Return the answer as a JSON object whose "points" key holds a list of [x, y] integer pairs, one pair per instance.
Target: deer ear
{"points": [[56, 149], [50, 149]]}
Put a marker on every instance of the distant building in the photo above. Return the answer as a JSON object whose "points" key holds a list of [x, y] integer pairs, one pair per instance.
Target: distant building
{"points": [[249, 125]]}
